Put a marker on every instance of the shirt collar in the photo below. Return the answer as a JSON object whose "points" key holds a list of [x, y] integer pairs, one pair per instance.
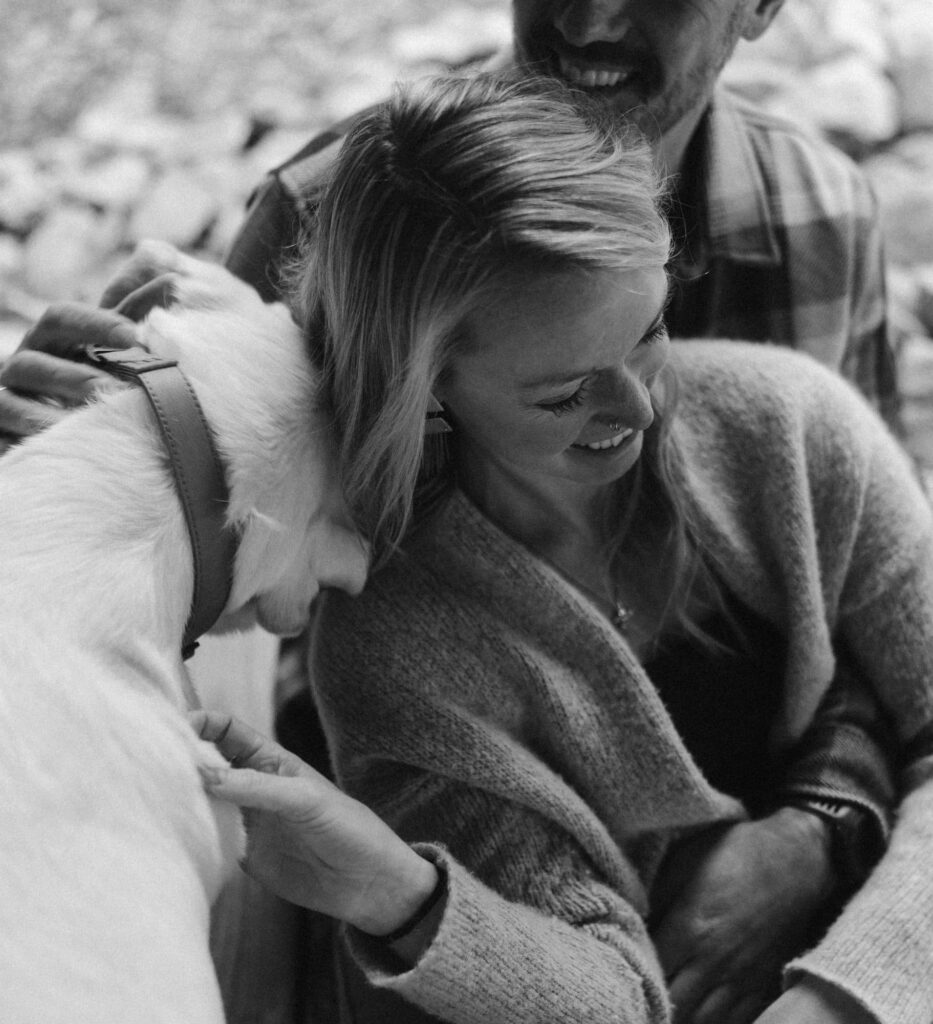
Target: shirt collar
{"points": [[738, 220]]}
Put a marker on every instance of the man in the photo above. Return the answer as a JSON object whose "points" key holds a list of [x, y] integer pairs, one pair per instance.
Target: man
{"points": [[777, 235], [777, 242]]}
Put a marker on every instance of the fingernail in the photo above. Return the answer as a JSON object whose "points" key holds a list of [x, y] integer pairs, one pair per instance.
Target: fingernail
{"points": [[210, 776]]}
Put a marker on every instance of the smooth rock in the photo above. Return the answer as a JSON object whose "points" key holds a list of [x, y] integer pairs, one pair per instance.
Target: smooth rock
{"points": [[915, 150], [907, 220], [903, 301], [62, 254], [460, 33], [911, 34], [25, 192], [115, 183], [12, 257], [924, 297], [902, 179], [364, 86], [807, 33], [851, 97], [179, 209]]}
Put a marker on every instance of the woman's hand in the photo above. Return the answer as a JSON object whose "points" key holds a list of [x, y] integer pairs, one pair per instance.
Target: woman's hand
{"points": [[731, 906], [307, 840]]}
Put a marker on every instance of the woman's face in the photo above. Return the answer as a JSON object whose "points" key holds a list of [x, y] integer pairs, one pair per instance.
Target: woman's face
{"points": [[554, 381]]}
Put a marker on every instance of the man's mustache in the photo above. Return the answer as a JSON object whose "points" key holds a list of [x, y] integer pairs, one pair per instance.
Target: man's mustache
{"points": [[627, 52]]}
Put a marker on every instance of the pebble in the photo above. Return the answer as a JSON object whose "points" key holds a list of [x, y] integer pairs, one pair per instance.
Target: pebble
{"points": [[180, 208], [911, 35], [61, 255]]}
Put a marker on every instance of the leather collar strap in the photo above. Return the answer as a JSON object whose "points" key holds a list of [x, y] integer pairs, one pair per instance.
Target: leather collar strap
{"points": [[198, 472]]}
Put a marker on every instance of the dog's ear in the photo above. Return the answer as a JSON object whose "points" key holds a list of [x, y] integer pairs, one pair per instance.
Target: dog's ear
{"points": [[333, 556]]}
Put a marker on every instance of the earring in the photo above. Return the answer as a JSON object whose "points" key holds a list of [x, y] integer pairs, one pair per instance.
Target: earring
{"points": [[434, 422]]}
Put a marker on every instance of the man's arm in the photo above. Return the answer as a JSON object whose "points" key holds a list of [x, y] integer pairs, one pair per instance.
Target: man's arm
{"points": [[280, 210], [270, 231], [870, 359]]}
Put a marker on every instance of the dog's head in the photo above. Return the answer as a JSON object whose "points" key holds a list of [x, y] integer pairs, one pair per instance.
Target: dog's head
{"points": [[248, 363]]}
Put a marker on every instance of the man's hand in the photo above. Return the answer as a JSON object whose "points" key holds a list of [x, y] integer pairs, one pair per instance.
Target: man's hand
{"points": [[307, 840], [731, 906], [812, 1001], [42, 381]]}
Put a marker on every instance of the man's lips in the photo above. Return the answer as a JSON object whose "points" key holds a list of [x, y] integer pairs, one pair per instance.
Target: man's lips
{"points": [[601, 64]]}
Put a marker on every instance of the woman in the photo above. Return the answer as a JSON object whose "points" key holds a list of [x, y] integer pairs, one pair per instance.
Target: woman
{"points": [[553, 541]]}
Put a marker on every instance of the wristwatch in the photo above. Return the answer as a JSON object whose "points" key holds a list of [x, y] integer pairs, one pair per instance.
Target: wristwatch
{"points": [[856, 841]]}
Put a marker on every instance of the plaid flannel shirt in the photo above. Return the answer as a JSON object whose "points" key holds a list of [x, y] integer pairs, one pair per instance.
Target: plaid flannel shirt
{"points": [[777, 242]]}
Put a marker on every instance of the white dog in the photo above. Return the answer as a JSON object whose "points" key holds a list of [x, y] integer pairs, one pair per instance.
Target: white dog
{"points": [[110, 853]]}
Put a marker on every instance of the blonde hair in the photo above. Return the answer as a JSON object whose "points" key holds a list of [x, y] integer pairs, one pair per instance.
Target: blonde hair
{"points": [[434, 196]]}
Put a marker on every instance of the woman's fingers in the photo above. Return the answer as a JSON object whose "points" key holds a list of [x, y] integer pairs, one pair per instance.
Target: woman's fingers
{"points": [[245, 747], [257, 790]]}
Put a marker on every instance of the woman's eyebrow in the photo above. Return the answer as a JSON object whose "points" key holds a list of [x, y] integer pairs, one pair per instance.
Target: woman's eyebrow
{"points": [[556, 379]]}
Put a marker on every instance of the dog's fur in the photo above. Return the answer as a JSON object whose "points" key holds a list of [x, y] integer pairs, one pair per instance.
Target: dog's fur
{"points": [[110, 853]]}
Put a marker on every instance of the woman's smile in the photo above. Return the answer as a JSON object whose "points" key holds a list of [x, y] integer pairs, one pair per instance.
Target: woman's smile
{"points": [[607, 445], [553, 385]]}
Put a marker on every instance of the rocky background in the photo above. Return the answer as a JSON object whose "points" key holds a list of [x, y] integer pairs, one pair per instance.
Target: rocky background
{"points": [[130, 119]]}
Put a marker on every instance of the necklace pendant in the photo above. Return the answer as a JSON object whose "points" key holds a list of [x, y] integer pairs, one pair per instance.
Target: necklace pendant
{"points": [[621, 616]]}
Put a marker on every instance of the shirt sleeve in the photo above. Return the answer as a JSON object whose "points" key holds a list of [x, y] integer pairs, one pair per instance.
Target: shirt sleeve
{"points": [[270, 232], [870, 359], [848, 754], [880, 948]]}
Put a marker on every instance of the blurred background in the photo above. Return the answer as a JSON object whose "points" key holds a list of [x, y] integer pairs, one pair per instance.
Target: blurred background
{"points": [[130, 119]]}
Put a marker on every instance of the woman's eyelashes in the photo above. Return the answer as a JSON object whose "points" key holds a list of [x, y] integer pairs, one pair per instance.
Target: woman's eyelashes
{"points": [[657, 332], [567, 404]]}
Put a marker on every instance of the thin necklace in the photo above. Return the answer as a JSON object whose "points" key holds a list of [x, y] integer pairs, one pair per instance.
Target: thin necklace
{"points": [[619, 614]]}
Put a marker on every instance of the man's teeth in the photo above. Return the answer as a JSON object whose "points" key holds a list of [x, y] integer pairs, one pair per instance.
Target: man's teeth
{"points": [[590, 78], [610, 442]]}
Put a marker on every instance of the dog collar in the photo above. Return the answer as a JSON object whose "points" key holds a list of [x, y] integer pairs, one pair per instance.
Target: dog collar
{"points": [[198, 472]]}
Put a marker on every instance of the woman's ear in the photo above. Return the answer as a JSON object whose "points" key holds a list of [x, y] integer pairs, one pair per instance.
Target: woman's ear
{"points": [[760, 15]]}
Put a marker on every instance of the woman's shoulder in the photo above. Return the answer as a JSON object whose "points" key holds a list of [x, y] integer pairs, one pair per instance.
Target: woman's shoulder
{"points": [[766, 392], [758, 425], [433, 587], [749, 371]]}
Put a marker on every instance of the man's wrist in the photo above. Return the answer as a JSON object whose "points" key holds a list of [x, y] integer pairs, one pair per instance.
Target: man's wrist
{"points": [[854, 843], [815, 834]]}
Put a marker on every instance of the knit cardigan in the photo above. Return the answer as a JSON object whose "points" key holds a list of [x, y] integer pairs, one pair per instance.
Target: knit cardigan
{"points": [[482, 706]]}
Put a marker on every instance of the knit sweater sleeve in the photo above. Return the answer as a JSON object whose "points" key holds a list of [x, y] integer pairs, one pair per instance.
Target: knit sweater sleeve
{"points": [[811, 506], [881, 948], [530, 933]]}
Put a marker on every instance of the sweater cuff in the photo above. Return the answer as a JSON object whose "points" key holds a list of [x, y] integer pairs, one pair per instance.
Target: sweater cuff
{"points": [[880, 949], [490, 961]]}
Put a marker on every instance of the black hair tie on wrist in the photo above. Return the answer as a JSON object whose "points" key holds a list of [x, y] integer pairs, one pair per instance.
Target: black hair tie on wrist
{"points": [[420, 914]]}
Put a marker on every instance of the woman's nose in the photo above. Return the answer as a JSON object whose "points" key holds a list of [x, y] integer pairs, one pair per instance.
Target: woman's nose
{"points": [[581, 22], [626, 397]]}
